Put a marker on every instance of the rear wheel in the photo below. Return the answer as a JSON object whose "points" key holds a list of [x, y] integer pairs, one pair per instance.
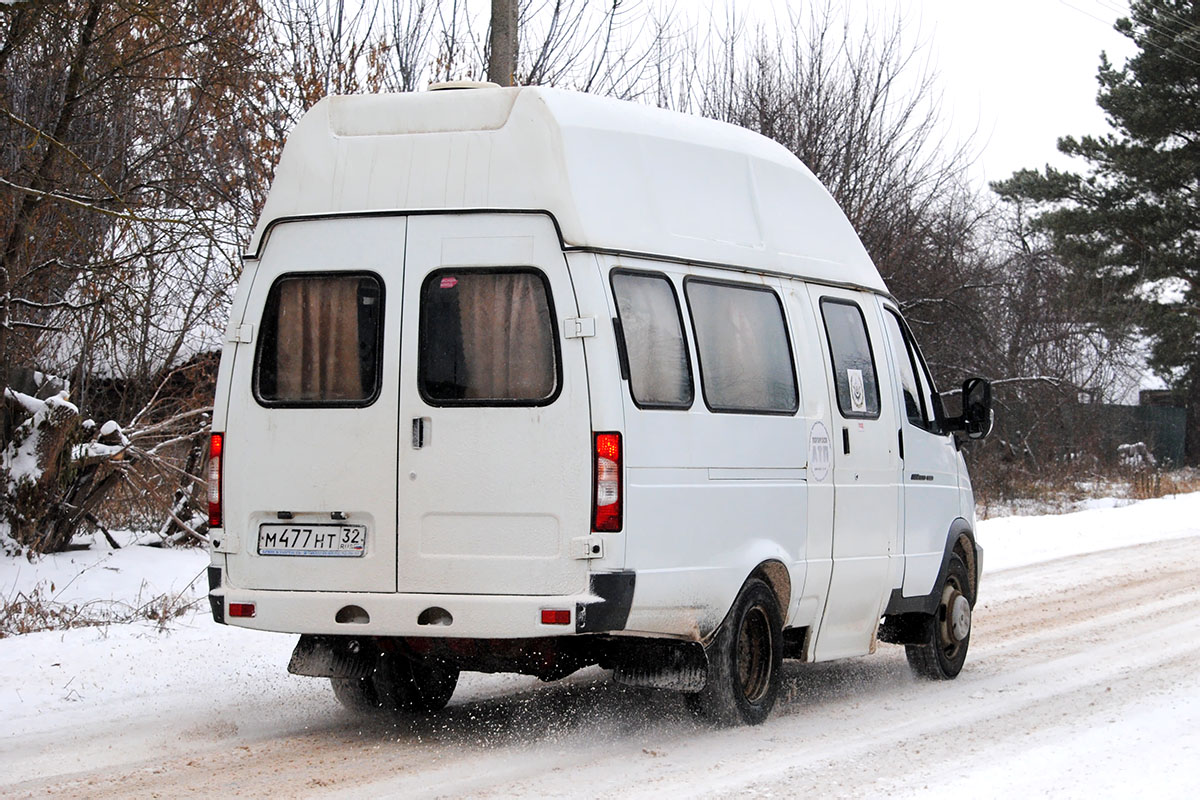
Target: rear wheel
{"points": [[744, 660], [947, 633], [399, 683], [356, 694]]}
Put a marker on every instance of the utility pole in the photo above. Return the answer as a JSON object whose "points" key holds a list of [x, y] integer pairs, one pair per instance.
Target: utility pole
{"points": [[502, 61]]}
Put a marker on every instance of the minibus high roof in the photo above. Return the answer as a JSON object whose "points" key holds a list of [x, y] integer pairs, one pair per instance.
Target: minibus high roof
{"points": [[615, 175]]}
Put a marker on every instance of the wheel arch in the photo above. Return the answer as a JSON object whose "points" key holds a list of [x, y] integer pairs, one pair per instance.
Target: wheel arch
{"points": [[772, 571], [960, 539], [776, 575]]}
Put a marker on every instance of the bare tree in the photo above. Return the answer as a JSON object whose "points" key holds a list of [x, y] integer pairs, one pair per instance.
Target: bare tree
{"points": [[1039, 337], [322, 47], [859, 107], [129, 172], [606, 48], [410, 26], [856, 105]]}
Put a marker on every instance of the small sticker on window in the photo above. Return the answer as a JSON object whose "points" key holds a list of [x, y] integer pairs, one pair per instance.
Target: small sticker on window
{"points": [[448, 283], [858, 394]]}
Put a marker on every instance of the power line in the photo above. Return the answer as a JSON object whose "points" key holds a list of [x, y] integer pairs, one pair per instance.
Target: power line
{"points": [[1146, 42], [1162, 28], [1162, 9]]}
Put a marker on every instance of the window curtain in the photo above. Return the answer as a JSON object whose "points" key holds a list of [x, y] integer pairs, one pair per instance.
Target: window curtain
{"points": [[507, 336], [317, 347]]}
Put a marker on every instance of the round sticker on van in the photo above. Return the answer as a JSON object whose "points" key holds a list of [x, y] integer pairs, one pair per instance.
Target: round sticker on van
{"points": [[820, 452]]}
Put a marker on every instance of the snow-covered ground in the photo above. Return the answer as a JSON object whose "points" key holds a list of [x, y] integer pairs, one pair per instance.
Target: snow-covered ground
{"points": [[1081, 682]]}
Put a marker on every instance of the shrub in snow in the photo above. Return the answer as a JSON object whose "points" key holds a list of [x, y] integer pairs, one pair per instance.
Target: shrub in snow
{"points": [[1136, 456], [35, 465], [56, 470]]}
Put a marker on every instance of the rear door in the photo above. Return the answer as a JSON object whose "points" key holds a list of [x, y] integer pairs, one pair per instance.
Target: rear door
{"points": [[495, 445], [310, 437]]}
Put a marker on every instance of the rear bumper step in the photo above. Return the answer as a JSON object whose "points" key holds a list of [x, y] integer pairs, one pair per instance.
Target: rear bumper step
{"points": [[604, 608]]}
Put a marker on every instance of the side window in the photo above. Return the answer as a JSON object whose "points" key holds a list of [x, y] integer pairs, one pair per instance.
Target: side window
{"points": [[742, 342], [487, 337], [914, 404], [929, 392], [659, 373], [320, 341], [931, 401], [853, 362]]}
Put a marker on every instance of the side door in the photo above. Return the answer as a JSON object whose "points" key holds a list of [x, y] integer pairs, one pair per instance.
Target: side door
{"points": [[495, 432], [930, 460], [866, 463]]}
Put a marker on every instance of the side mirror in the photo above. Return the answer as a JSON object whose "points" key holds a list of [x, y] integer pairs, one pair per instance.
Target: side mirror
{"points": [[977, 416]]}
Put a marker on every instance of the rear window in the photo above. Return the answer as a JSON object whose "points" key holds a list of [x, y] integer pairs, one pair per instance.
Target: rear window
{"points": [[320, 341], [487, 338], [742, 341]]}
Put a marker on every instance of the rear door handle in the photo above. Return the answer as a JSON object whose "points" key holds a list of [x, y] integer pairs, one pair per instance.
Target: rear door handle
{"points": [[422, 432]]}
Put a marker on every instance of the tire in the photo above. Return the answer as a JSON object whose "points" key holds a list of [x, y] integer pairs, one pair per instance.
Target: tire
{"points": [[399, 683], [356, 694], [744, 660], [947, 633]]}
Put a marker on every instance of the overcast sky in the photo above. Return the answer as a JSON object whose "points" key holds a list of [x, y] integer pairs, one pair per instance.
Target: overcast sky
{"points": [[1015, 75], [1021, 73], [1018, 74]]}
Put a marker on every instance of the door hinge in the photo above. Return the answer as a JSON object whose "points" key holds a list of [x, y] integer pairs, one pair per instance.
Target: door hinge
{"points": [[587, 547], [241, 334], [579, 327]]}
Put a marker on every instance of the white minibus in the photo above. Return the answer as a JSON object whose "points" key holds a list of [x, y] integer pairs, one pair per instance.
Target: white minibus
{"points": [[527, 380]]}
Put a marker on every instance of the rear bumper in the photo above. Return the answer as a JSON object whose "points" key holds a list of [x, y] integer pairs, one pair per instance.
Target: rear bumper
{"points": [[468, 616]]}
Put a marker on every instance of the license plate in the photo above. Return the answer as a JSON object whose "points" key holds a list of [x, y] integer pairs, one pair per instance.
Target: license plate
{"points": [[345, 541]]}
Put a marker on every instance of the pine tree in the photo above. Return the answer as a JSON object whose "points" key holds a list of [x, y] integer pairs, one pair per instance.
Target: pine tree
{"points": [[1130, 226]]}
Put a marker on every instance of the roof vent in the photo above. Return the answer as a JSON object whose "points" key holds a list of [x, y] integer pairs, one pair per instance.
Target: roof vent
{"points": [[444, 85]]}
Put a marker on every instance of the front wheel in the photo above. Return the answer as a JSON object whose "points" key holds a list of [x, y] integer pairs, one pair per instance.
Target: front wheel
{"points": [[947, 634], [744, 660]]}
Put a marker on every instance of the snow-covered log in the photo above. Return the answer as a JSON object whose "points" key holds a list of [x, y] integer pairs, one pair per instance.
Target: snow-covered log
{"points": [[35, 466]]}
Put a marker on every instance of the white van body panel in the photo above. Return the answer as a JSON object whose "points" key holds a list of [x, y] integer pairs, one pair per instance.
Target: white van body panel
{"points": [[312, 463], [491, 501], [710, 495], [615, 176], [867, 511], [482, 517], [929, 476], [807, 335]]}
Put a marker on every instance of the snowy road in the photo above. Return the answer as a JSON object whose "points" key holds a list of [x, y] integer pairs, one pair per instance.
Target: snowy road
{"points": [[1082, 681]]}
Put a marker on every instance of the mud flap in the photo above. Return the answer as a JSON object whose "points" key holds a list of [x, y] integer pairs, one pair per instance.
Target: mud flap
{"points": [[333, 657], [662, 664], [911, 628]]}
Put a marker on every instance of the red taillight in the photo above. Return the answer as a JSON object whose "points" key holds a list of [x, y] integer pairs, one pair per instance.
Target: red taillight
{"points": [[556, 616], [214, 482], [607, 482], [241, 609]]}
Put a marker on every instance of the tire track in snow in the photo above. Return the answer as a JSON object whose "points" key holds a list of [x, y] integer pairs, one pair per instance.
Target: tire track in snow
{"points": [[1060, 649]]}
